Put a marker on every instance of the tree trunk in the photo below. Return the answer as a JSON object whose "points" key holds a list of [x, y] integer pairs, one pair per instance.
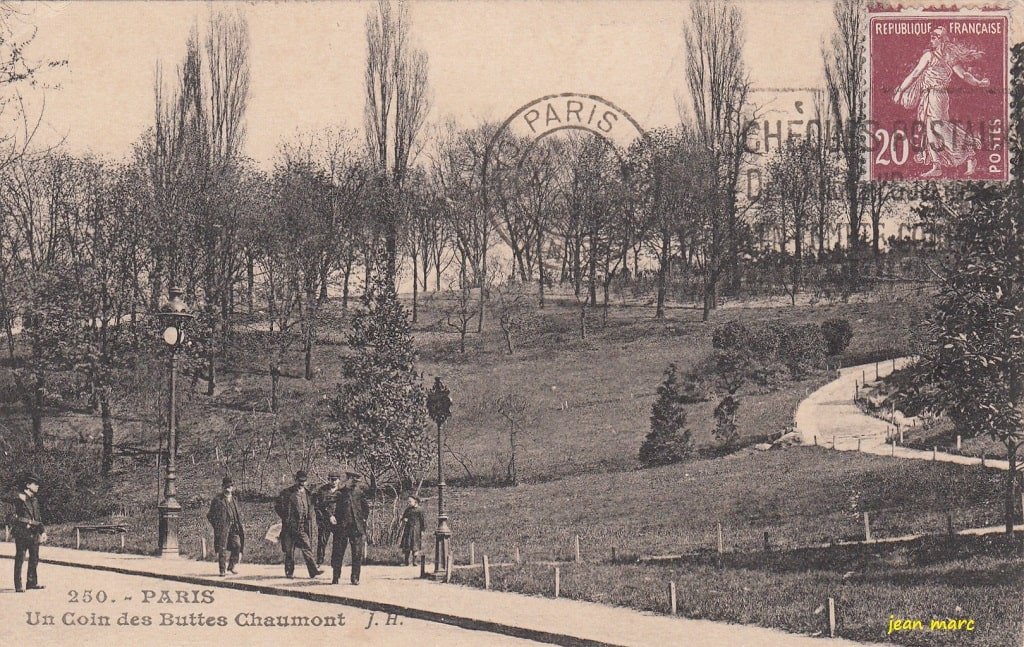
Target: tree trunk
{"points": [[593, 266], [1011, 475], [540, 266], [664, 266], [483, 291], [415, 289], [275, 378], [250, 282], [108, 433], [211, 375], [345, 286], [37, 412]]}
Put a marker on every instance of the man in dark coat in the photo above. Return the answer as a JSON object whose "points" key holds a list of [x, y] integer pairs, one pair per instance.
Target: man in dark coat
{"points": [[325, 500], [225, 516], [27, 528], [350, 514], [298, 524]]}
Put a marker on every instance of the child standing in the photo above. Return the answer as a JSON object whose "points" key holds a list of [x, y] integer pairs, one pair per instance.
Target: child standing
{"points": [[412, 530]]}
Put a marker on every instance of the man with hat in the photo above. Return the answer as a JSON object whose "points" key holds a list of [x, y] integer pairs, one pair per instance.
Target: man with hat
{"points": [[325, 500], [225, 516], [27, 528], [349, 521], [298, 524]]}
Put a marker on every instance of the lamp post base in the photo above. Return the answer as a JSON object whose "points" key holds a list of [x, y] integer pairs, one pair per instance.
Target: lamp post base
{"points": [[167, 540], [442, 547]]}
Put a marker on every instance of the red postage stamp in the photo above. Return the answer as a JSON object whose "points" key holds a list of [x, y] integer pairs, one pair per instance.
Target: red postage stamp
{"points": [[938, 103]]}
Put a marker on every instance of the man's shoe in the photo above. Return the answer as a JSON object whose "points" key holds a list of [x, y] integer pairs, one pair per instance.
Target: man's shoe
{"points": [[18, 589], [36, 586], [317, 572], [334, 581], [355, 582]]}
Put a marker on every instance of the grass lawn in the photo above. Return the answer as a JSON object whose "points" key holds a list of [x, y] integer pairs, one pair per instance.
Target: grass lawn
{"points": [[974, 578]]}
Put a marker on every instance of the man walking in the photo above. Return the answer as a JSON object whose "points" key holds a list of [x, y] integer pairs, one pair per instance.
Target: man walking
{"points": [[225, 516], [350, 515], [298, 524], [325, 500], [28, 530]]}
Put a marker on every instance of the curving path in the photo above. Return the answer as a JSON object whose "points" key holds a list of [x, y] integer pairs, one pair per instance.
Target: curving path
{"points": [[830, 418]]}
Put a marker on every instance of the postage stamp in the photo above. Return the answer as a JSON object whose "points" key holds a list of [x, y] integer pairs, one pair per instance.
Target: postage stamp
{"points": [[938, 103]]}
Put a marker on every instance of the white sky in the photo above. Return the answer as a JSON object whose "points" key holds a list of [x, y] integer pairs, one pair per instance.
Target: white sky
{"points": [[487, 58]]}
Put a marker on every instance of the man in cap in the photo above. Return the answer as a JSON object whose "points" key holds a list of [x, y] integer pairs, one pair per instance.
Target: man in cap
{"points": [[298, 524], [325, 500], [27, 528], [225, 516], [349, 519]]}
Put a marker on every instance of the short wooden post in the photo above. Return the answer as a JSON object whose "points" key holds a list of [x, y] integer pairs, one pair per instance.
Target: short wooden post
{"points": [[949, 524], [894, 363], [487, 573], [472, 554], [833, 441], [767, 545], [423, 565], [831, 618], [863, 377], [672, 597], [858, 444], [867, 527], [577, 542], [815, 440], [893, 446], [558, 581], [935, 453], [958, 442], [517, 557], [615, 556], [721, 542], [876, 370], [203, 550], [983, 460], [78, 538]]}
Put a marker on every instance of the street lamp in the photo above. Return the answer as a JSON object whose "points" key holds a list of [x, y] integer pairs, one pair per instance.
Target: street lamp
{"points": [[174, 314], [439, 406]]}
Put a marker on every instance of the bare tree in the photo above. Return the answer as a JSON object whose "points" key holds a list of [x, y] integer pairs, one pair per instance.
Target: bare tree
{"points": [[514, 310], [787, 204], [844, 76], [395, 111], [459, 311], [515, 409], [719, 93]]}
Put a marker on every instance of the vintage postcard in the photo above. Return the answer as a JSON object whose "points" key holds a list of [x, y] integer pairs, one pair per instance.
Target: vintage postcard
{"points": [[511, 322]]}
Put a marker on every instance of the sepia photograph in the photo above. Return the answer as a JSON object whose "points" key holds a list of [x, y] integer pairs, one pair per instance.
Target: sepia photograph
{"points": [[631, 323]]}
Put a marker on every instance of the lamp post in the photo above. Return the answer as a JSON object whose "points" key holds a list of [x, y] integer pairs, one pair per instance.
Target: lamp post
{"points": [[439, 406], [174, 314]]}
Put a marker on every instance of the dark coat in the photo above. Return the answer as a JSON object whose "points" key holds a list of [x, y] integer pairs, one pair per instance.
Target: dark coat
{"points": [[325, 502], [219, 517], [295, 508], [413, 523], [27, 520], [351, 511]]}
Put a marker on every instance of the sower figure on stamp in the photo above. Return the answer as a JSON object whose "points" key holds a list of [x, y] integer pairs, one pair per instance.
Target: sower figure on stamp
{"points": [[325, 500], [413, 524], [926, 90], [349, 519], [298, 524], [225, 516], [28, 530]]}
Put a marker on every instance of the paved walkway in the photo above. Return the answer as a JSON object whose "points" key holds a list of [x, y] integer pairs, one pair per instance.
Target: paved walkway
{"points": [[830, 418], [398, 590]]}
